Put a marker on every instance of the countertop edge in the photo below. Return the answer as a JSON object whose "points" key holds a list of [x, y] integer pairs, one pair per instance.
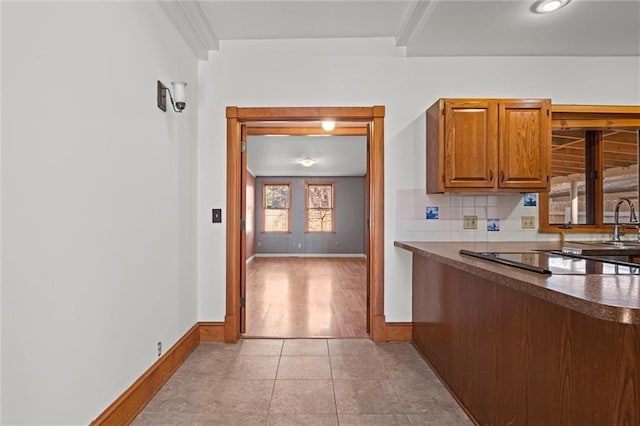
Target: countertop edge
{"points": [[535, 286]]}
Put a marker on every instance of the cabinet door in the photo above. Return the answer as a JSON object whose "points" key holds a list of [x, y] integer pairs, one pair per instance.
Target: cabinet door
{"points": [[470, 156], [524, 144]]}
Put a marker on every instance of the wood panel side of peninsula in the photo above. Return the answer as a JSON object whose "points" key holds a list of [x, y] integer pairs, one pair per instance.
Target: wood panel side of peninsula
{"points": [[512, 358]]}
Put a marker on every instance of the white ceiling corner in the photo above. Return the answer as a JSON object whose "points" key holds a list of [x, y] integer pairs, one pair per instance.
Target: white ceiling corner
{"points": [[192, 23], [416, 16]]}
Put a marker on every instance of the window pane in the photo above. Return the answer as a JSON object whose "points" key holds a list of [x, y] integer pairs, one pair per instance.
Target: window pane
{"points": [[320, 220], [276, 196], [276, 220], [319, 196], [567, 175], [620, 177]]}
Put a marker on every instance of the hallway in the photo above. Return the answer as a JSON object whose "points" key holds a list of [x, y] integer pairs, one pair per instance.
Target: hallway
{"points": [[303, 382]]}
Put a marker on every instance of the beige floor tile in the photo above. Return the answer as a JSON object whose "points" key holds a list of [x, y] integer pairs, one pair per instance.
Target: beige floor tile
{"points": [[303, 382], [253, 367], [187, 397], [206, 365], [166, 419], [239, 396], [425, 396], [304, 367], [366, 397], [303, 396], [360, 367], [373, 419], [279, 419], [341, 347], [231, 419], [216, 349], [260, 346], [440, 418], [408, 369], [397, 350], [305, 347], [218, 419]]}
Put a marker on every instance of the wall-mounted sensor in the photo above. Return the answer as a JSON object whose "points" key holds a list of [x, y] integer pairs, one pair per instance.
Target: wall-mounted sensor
{"points": [[217, 215]]}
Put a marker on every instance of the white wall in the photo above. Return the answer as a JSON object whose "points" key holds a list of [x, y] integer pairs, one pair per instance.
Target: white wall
{"points": [[362, 73], [98, 204]]}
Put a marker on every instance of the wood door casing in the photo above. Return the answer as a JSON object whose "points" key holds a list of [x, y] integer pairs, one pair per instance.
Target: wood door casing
{"points": [[243, 229], [374, 117]]}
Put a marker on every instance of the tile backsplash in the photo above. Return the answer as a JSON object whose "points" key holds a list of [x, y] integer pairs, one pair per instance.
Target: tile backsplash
{"points": [[416, 221]]}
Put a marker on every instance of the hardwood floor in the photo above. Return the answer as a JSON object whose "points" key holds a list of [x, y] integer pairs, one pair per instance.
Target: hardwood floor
{"points": [[306, 297]]}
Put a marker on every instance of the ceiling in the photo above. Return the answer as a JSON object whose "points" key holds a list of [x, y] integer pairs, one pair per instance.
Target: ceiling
{"points": [[334, 155], [422, 28]]}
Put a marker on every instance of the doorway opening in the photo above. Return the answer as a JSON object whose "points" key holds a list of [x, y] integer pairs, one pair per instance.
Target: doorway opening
{"points": [[367, 121]]}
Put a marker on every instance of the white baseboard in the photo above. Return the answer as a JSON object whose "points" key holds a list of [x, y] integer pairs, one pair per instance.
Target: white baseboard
{"points": [[249, 260], [309, 255]]}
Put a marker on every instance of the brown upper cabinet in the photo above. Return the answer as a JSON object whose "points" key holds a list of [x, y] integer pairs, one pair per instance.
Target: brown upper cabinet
{"points": [[489, 145]]}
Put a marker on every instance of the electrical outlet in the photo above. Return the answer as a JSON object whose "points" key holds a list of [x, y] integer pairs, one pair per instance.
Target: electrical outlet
{"points": [[470, 222], [159, 349], [528, 222]]}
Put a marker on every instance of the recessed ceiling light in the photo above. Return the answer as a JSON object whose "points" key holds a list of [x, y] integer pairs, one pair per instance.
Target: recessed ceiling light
{"points": [[546, 6], [328, 125], [307, 162]]}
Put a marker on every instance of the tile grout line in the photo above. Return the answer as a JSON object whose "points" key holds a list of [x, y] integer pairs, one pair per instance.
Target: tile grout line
{"points": [[395, 391], [273, 389], [333, 385]]}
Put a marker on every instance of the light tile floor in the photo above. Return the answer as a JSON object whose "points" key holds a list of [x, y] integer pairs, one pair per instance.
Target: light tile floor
{"points": [[303, 382]]}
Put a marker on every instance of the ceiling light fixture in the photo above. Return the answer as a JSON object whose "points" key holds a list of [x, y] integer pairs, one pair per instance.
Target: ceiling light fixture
{"points": [[328, 125], [546, 6], [307, 162], [179, 90]]}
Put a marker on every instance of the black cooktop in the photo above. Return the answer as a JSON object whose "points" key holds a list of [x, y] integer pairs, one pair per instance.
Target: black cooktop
{"points": [[557, 263]]}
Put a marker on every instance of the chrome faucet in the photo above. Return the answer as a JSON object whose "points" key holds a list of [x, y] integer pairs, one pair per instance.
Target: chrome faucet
{"points": [[616, 222]]}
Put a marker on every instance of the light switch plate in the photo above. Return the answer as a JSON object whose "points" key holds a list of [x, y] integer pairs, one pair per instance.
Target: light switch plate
{"points": [[216, 215], [470, 222], [528, 222]]}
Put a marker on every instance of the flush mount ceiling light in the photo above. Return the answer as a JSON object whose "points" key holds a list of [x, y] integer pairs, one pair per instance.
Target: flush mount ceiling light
{"points": [[307, 162], [547, 6], [328, 125], [179, 91]]}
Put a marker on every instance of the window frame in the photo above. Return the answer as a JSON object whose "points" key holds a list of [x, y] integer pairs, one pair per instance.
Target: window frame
{"points": [[264, 206], [307, 209], [595, 118]]}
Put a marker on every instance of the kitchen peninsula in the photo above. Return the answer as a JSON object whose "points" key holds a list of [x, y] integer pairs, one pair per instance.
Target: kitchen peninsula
{"points": [[518, 347]]}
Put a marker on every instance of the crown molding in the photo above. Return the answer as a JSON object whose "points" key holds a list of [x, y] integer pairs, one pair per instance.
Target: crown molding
{"points": [[192, 23], [415, 17]]}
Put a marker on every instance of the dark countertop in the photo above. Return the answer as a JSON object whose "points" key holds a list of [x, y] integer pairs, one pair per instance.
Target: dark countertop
{"points": [[608, 297]]}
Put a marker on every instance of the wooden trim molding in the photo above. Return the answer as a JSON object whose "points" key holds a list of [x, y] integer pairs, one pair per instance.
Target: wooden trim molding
{"points": [[211, 332], [373, 117], [306, 131], [399, 332], [587, 117], [132, 401]]}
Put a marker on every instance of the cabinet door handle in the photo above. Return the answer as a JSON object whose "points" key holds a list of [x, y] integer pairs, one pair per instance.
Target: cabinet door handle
{"points": [[490, 175], [501, 175]]}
